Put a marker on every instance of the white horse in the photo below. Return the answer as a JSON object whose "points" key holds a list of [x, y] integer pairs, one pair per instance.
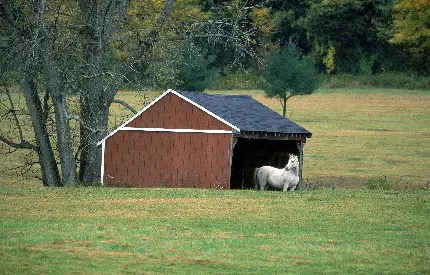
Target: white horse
{"points": [[285, 179]]}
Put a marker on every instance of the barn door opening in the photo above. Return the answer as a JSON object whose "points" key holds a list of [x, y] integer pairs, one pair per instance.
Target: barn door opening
{"points": [[249, 154]]}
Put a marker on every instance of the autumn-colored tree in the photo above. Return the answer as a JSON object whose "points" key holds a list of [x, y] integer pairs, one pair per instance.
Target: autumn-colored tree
{"points": [[345, 34], [412, 28], [412, 24]]}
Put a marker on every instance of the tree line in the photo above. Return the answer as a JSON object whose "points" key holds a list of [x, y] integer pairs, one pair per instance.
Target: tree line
{"points": [[52, 51]]}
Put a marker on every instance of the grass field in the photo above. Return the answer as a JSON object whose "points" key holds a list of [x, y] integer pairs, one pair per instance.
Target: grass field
{"points": [[194, 231], [362, 134]]}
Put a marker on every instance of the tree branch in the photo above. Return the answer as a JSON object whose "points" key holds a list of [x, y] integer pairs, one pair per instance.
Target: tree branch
{"points": [[125, 104], [121, 70], [15, 117], [78, 119], [22, 145], [156, 28]]}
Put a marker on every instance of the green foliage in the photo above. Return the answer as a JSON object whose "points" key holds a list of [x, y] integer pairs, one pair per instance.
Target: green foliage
{"points": [[229, 34], [162, 72], [288, 73], [382, 80], [196, 70], [184, 66], [412, 25], [233, 80], [328, 60], [412, 28], [288, 17], [351, 27], [380, 183]]}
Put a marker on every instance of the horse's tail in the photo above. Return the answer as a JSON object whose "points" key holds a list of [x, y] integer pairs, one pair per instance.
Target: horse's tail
{"points": [[256, 187]]}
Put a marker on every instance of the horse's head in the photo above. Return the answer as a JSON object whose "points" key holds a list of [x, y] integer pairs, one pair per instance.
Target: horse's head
{"points": [[293, 162]]}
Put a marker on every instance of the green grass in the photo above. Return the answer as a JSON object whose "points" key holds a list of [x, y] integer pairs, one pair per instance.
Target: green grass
{"points": [[194, 231]]}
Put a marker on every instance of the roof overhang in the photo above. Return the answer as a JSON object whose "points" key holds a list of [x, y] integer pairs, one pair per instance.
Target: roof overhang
{"points": [[273, 136]]}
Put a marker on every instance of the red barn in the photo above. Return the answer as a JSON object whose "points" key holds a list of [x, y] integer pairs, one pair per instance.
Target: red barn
{"points": [[199, 140]]}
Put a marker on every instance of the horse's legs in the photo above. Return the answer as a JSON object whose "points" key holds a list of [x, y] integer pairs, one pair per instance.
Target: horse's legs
{"points": [[259, 180], [291, 187], [255, 179], [263, 186]]}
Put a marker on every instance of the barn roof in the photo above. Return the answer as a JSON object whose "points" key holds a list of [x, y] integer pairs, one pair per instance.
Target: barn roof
{"points": [[246, 113]]}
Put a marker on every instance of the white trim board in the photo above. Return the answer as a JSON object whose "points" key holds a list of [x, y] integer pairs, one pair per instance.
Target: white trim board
{"points": [[176, 130], [102, 173], [155, 101]]}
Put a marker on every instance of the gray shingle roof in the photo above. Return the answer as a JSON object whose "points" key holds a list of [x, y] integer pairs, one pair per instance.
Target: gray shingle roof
{"points": [[246, 113]]}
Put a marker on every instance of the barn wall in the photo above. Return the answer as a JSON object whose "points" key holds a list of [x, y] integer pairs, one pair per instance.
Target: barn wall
{"points": [[158, 159], [172, 112]]}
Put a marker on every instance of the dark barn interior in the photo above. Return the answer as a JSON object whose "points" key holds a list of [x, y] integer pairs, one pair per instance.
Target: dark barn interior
{"points": [[249, 154]]}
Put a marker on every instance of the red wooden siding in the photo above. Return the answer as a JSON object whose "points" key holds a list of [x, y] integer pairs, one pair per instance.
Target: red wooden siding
{"points": [[149, 159], [172, 112]]}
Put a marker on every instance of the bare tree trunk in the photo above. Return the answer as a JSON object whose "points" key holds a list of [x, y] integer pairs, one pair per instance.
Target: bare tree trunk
{"points": [[50, 173], [94, 99], [93, 112], [284, 106], [283, 101], [56, 90], [96, 128]]}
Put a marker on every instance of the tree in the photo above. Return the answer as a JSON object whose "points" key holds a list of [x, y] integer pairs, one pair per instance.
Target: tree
{"points": [[28, 45], [196, 70], [288, 17], [412, 28], [228, 34], [287, 73], [85, 50], [347, 32], [69, 46]]}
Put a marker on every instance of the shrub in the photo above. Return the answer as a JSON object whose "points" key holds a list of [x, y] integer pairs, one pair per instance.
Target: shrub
{"points": [[238, 81], [383, 80], [380, 183]]}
